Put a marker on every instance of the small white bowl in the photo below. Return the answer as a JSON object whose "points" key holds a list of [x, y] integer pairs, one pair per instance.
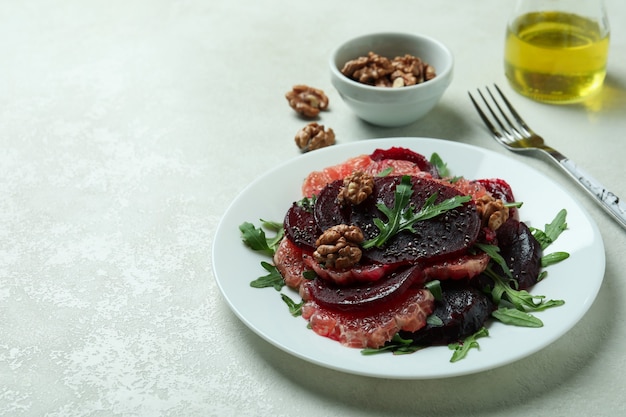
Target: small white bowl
{"points": [[386, 106]]}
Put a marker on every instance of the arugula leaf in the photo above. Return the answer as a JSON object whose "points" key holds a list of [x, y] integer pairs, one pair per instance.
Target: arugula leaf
{"points": [[385, 172], [494, 253], [309, 274], [294, 308], [442, 167], [461, 349], [516, 317], [553, 258], [402, 216], [434, 287], [307, 203], [546, 237], [520, 299], [273, 279], [552, 230], [434, 320], [397, 345], [255, 238]]}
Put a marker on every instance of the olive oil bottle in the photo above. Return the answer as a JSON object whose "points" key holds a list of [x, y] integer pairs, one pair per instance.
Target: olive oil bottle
{"points": [[556, 56]]}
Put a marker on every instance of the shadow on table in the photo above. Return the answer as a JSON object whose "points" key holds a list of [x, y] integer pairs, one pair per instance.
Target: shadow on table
{"points": [[443, 122], [611, 99], [487, 393]]}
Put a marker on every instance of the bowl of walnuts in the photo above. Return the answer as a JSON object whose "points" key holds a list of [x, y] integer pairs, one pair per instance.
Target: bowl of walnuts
{"points": [[391, 79]]}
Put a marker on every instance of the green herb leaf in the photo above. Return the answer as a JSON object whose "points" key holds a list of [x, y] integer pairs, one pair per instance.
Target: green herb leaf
{"points": [[442, 167], [494, 253], [309, 274], [273, 279], [553, 258], [434, 287], [516, 317], [255, 238], [402, 217], [397, 345], [461, 349], [385, 172], [307, 203], [294, 308], [520, 299], [434, 320], [552, 230], [542, 275]]}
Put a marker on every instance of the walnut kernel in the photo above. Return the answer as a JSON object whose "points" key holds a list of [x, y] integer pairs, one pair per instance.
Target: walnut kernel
{"points": [[492, 211], [338, 247], [307, 101], [372, 70], [356, 188], [314, 136], [379, 71]]}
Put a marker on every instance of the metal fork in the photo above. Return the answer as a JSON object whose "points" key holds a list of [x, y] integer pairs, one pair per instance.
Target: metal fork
{"points": [[515, 135]]}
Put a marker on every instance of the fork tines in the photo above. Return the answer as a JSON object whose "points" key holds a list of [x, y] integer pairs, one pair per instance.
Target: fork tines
{"points": [[510, 129]]}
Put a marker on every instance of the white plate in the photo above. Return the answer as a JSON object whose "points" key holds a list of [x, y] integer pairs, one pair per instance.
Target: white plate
{"points": [[576, 280]]}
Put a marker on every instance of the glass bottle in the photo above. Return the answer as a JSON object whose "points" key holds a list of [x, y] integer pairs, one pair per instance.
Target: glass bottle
{"points": [[556, 50]]}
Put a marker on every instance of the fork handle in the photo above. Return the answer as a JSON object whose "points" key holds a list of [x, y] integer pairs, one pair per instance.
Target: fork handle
{"points": [[610, 202]]}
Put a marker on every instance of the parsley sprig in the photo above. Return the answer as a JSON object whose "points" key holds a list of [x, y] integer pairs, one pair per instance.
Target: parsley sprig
{"points": [[403, 215]]}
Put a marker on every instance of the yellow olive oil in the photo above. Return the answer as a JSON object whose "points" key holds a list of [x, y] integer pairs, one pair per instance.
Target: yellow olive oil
{"points": [[556, 57]]}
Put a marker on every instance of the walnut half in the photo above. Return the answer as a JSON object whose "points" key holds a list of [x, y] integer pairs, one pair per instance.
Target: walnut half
{"points": [[314, 136], [356, 188], [411, 70], [492, 211], [307, 101], [380, 71], [338, 247], [372, 69]]}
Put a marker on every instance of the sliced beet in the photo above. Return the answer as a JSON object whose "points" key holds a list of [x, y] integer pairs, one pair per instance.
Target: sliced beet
{"points": [[404, 154], [521, 251], [462, 310], [498, 187], [441, 237], [300, 227], [365, 296], [358, 273], [327, 211]]}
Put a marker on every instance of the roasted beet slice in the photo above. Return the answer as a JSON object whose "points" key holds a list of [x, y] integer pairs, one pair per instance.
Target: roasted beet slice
{"points": [[404, 154], [445, 236], [521, 251], [358, 273], [362, 297], [300, 227], [462, 310], [328, 212], [498, 187]]}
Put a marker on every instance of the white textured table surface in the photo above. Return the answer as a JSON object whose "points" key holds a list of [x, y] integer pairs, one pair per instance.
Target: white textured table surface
{"points": [[127, 128]]}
